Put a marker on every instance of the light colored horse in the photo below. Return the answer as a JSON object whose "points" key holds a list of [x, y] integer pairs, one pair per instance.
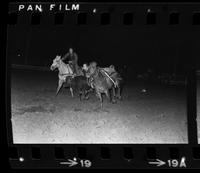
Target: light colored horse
{"points": [[64, 71]]}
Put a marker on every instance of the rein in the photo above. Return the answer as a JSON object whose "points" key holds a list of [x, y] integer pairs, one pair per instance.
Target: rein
{"points": [[103, 71], [66, 74]]}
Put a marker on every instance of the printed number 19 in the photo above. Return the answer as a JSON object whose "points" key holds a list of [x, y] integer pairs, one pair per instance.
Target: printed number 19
{"points": [[173, 163], [86, 163]]}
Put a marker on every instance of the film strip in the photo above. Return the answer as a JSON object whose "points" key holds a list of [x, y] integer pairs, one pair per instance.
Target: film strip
{"points": [[117, 156], [151, 120]]}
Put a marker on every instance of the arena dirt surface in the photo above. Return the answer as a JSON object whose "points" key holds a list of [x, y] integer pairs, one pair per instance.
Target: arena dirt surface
{"points": [[155, 116]]}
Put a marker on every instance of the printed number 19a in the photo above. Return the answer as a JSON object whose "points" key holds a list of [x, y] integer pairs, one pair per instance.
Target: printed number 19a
{"points": [[175, 163]]}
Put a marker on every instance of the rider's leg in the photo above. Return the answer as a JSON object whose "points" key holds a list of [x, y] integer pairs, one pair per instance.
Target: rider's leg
{"points": [[74, 68]]}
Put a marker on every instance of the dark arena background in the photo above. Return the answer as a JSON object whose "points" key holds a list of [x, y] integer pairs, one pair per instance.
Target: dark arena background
{"points": [[198, 102], [153, 60]]}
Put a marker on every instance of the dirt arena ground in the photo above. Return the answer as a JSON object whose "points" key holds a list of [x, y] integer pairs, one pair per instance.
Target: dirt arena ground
{"points": [[155, 116]]}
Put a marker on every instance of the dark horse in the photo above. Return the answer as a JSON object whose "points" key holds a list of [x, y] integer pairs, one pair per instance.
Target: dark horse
{"points": [[117, 90], [101, 81]]}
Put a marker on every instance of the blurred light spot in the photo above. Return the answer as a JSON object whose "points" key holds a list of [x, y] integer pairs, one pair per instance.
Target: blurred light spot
{"points": [[94, 10], [21, 159], [144, 90]]}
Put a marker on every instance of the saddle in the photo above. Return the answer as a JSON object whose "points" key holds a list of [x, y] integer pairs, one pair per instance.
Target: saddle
{"points": [[76, 72]]}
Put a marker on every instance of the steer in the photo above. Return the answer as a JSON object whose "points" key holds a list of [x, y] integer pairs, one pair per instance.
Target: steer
{"points": [[79, 84]]}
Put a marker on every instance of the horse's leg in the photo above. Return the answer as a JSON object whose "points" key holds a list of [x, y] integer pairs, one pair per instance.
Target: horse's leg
{"points": [[121, 87], [80, 95], [119, 93], [113, 94], [71, 90], [60, 83], [108, 95], [113, 91], [100, 98], [86, 95]]}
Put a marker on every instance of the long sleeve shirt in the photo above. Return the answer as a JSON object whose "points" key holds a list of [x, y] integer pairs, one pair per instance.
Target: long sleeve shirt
{"points": [[70, 57]]}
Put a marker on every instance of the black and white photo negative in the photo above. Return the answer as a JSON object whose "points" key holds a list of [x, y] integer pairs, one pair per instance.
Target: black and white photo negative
{"points": [[98, 75]]}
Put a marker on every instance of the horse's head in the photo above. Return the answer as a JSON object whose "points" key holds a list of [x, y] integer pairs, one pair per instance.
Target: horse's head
{"points": [[56, 63], [112, 67]]}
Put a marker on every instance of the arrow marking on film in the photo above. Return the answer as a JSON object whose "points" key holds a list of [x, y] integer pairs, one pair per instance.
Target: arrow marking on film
{"points": [[70, 163], [158, 162]]}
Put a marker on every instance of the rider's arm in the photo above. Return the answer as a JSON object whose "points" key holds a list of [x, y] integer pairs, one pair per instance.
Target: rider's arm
{"points": [[65, 56]]}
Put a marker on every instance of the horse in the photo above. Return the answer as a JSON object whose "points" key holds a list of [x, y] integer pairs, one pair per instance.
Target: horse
{"points": [[64, 71], [113, 75], [100, 81], [117, 79]]}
